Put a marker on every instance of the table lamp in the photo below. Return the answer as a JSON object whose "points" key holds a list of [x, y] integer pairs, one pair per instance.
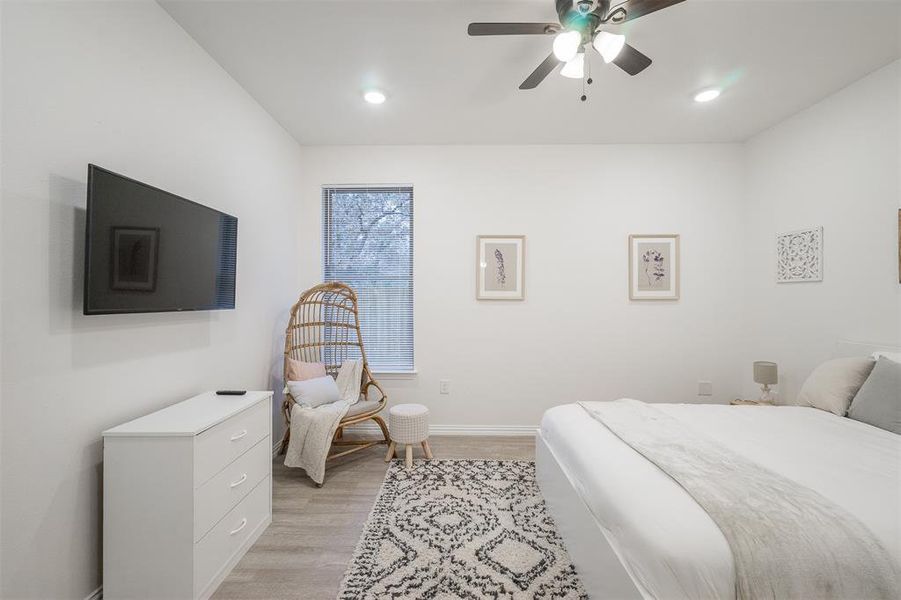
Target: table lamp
{"points": [[766, 374]]}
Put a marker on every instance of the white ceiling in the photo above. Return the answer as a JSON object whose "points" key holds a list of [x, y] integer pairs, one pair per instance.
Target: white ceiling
{"points": [[307, 62]]}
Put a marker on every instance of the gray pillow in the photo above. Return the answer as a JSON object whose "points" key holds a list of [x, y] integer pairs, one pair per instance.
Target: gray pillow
{"points": [[879, 400], [314, 392]]}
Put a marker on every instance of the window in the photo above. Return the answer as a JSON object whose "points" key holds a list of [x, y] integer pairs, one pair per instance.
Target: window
{"points": [[367, 239]]}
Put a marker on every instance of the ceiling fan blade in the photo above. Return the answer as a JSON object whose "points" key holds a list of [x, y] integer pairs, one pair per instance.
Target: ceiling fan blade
{"points": [[543, 70], [632, 9], [512, 28], [631, 60]]}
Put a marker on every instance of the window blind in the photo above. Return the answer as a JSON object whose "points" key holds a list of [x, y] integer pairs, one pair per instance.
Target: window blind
{"points": [[367, 238]]}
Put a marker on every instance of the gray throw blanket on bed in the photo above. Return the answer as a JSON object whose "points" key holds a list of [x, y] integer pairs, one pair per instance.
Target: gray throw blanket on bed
{"points": [[787, 540]]}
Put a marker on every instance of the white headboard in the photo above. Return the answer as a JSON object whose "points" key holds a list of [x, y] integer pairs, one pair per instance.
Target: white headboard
{"points": [[847, 348]]}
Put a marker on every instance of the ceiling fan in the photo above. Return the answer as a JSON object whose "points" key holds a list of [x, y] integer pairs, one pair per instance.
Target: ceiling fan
{"points": [[581, 23]]}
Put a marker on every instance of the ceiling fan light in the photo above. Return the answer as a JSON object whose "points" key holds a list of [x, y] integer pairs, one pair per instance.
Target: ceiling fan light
{"points": [[575, 69], [566, 45], [609, 45]]}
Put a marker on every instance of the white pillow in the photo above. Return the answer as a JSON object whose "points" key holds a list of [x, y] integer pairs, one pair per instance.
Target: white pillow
{"points": [[314, 392], [833, 384]]}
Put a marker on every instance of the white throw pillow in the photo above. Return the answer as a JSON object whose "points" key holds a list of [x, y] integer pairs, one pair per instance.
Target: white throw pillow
{"points": [[314, 392], [833, 384]]}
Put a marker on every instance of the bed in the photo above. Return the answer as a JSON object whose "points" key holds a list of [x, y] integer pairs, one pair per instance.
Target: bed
{"points": [[633, 532]]}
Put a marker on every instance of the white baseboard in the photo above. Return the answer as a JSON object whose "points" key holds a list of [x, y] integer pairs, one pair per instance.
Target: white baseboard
{"points": [[497, 430], [95, 595]]}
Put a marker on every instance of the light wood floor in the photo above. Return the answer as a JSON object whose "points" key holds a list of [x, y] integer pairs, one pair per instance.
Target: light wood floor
{"points": [[304, 552]]}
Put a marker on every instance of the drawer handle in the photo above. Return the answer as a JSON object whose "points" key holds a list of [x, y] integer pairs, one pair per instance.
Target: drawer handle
{"points": [[235, 484], [240, 527], [238, 436]]}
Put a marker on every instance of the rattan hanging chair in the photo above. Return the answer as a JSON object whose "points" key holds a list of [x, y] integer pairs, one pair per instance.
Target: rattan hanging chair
{"points": [[325, 327]]}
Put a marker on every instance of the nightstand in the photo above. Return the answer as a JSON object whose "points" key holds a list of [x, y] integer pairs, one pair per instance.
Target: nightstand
{"points": [[738, 402]]}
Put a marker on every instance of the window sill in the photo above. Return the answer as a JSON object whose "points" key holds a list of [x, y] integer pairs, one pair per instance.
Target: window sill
{"points": [[396, 374]]}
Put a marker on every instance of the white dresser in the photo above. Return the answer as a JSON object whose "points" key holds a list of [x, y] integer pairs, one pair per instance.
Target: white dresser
{"points": [[186, 491]]}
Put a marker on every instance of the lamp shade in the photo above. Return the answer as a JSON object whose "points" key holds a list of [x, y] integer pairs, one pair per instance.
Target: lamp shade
{"points": [[609, 45], [766, 373], [575, 69], [567, 44]]}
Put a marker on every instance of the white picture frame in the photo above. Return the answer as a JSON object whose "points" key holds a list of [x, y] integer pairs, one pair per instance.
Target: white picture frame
{"points": [[654, 269], [799, 256], [500, 267]]}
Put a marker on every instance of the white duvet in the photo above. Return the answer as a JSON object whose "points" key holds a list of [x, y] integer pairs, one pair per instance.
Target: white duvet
{"points": [[668, 544]]}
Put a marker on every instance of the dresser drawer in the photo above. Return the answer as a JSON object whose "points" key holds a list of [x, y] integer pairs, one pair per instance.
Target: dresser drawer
{"points": [[218, 495], [214, 552], [220, 445]]}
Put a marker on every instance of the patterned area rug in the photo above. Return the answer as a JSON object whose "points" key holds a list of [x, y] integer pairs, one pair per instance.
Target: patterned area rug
{"points": [[460, 529]]}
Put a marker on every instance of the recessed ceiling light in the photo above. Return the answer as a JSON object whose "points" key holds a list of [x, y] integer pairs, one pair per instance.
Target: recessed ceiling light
{"points": [[707, 95], [374, 97]]}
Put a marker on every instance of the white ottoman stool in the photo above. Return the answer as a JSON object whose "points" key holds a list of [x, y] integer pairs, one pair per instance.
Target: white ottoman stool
{"points": [[408, 424]]}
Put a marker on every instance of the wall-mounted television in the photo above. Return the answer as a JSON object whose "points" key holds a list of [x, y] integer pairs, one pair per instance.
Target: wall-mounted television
{"points": [[147, 250]]}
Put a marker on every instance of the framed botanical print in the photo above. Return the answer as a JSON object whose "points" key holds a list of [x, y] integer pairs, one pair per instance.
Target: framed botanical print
{"points": [[500, 267], [654, 267]]}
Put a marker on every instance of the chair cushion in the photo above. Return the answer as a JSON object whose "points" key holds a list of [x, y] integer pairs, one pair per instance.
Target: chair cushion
{"points": [[361, 407], [408, 423], [409, 410]]}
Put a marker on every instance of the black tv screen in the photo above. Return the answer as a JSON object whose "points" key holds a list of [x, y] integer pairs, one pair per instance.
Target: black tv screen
{"points": [[147, 250]]}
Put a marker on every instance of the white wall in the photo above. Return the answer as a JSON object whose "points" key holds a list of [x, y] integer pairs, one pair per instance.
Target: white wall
{"points": [[576, 336], [1, 292], [121, 85], [835, 164]]}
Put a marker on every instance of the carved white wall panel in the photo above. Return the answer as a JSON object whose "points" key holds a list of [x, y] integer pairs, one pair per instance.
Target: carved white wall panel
{"points": [[799, 256]]}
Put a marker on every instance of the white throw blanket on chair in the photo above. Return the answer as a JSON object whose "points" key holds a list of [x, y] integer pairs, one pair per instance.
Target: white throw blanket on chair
{"points": [[313, 429]]}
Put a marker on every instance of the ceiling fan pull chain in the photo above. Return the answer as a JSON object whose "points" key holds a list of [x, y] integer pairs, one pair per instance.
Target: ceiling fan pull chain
{"points": [[588, 56], [587, 77]]}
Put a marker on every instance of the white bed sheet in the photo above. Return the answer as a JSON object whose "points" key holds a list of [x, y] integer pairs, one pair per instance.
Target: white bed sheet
{"points": [[667, 543]]}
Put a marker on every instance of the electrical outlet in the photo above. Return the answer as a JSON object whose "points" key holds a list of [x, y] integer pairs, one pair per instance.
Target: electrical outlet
{"points": [[444, 386], [705, 388]]}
